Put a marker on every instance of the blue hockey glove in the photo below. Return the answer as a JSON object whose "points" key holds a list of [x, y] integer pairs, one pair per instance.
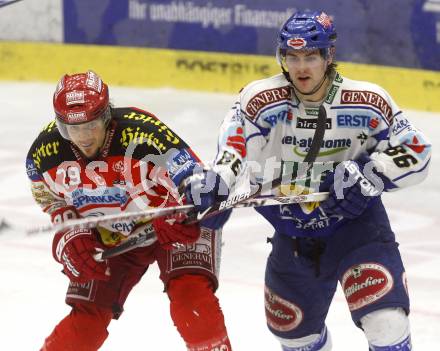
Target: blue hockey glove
{"points": [[204, 189], [352, 186]]}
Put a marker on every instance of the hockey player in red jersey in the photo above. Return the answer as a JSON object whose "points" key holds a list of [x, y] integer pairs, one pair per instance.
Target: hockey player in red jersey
{"points": [[93, 160]]}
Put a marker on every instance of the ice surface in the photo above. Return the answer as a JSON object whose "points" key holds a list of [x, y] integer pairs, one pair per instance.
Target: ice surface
{"points": [[32, 288]]}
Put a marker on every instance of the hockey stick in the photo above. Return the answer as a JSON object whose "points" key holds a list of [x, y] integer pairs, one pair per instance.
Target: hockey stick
{"points": [[93, 222], [7, 2], [133, 242], [240, 200], [144, 239]]}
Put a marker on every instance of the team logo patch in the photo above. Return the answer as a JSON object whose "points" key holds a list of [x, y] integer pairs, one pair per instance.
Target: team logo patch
{"points": [[325, 20], [119, 166], [101, 196], [199, 254], [31, 170], [45, 150], [301, 146], [311, 123], [363, 97], [282, 116], [81, 291], [237, 141], [265, 98], [365, 284], [401, 124], [374, 122], [415, 145], [75, 98], [180, 164], [76, 117], [93, 81], [297, 43], [281, 315]]}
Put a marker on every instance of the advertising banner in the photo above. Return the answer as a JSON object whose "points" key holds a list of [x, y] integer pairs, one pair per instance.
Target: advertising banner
{"points": [[403, 33], [7, 2]]}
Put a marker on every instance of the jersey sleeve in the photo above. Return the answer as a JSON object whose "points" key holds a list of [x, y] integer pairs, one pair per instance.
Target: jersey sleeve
{"points": [[400, 151]]}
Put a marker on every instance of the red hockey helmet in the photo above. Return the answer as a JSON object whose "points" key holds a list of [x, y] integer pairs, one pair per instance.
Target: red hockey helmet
{"points": [[80, 98]]}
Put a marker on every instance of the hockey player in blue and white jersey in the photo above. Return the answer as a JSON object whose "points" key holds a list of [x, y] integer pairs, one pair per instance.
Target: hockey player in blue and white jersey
{"points": [[369, 146]]}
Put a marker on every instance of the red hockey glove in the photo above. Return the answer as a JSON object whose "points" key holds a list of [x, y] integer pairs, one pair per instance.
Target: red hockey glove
{"points": [[74, 249], [169, 230]]}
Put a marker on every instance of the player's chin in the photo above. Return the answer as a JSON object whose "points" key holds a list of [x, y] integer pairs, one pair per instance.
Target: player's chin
{"points": [[304, 90], [304, 86], [90, 152]]}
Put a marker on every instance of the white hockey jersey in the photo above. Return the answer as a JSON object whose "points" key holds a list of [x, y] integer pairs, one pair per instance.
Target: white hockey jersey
{"points": [[269, 130]]}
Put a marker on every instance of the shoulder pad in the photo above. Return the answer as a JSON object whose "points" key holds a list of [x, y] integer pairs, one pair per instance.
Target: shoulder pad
{"points": [[369, 95], [45, 153], [259, 94], [142, 127]]}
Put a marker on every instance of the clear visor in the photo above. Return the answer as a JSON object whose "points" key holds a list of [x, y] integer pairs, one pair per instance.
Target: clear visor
{"points": [[69, 131], [308, 56]]}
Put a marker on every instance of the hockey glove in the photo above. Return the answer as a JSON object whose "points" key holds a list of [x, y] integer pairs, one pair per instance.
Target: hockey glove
{"points": [[74, 249], [170, 230], [352, 186], [204, 189]]}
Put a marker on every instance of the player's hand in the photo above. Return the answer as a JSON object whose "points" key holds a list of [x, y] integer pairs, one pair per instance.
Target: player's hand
{"points": [[203, 190], [352, 187], [74, 249], [171, 230]]}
